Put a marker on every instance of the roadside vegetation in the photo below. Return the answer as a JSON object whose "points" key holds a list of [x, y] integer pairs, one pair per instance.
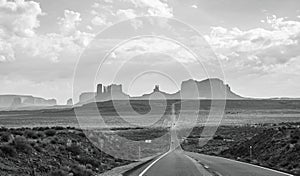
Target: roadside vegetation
{"points": [[53, 151], [275, 146]]}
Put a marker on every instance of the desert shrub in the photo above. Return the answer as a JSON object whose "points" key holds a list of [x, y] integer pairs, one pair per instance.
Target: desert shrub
{"points": [[8, 150], [81, 171], [2, 129], [218, 137], [81, 134], [37, 148], [54, 140], [88, 160], [297, 147], [5, 137], [58, 128], [43, 144], [21, 144], [18, 132], [59, 172], [293, 141], [40, 134], [74, 149], [30, 134], [50, 132]]}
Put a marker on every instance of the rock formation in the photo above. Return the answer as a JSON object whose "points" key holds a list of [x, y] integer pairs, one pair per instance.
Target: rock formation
{"points": [[7, 101], [86, 97], [191, 89], [70, 102]]}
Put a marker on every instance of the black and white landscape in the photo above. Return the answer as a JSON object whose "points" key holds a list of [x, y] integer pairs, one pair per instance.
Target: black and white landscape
{"points": [[149, 87]]}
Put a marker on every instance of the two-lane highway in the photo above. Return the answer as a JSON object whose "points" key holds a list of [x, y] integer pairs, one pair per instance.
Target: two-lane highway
{"points": [[177, 162], [181, 163], [174, 163], [228, 167]]}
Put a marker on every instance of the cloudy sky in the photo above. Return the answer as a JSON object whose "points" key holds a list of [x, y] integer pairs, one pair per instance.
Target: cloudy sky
{"points": [[256, 43]]}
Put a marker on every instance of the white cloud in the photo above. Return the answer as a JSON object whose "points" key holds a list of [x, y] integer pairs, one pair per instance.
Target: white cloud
{"points": [[89, 27], [152, 45], [6, 52], [115, 11], [18, 24], [258, 48], [194, 6], [99, 21], [69, 22], [126, 14], [19, 17], [155, 7]]}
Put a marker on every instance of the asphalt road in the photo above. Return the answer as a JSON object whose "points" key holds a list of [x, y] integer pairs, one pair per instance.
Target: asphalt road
{"points": [[174, 163], [227, 167], [180, 163], [177, 162]]}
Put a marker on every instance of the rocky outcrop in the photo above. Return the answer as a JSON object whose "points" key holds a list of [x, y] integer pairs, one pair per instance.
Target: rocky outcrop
{"points": [[191, 89], [111, 92], [70, 102], [207, 89], [7, 101], [86, 97]]}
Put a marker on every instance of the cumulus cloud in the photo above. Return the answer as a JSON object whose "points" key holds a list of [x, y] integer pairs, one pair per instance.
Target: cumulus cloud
{"points": [[259, 48], [18, 24], [19, 17], [6, 52], [155, 46], [194, 6], [154, 7], [126, 14], [99, 20], [69, 22], [104, 11]]}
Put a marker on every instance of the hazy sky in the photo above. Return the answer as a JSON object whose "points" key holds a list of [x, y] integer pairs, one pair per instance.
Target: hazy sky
{"points": [[256, 42]]}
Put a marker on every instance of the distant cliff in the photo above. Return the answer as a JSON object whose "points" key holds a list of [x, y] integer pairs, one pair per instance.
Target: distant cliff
{"points": [[86, 97], [14, 101], [111, 92], [191, 89], [207, 89]]}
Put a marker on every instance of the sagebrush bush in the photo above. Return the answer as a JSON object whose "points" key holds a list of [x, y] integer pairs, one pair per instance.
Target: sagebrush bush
{"points": [[30, 134], [59, 172], [50, 132], [8, 150], [40, 134], [5, 136], [21, 144], [18, 132], [79, 170], [74, 149], [54, 140], [58, 128], [89, 160]]}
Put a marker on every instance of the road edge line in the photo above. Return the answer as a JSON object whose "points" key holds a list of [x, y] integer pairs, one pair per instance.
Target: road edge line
{"points": [[147, 168], [273, 170]]}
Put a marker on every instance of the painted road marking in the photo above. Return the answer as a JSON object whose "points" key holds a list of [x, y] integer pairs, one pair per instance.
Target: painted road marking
{"points": [[249, 164], [258, 166], [141, 174]]}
